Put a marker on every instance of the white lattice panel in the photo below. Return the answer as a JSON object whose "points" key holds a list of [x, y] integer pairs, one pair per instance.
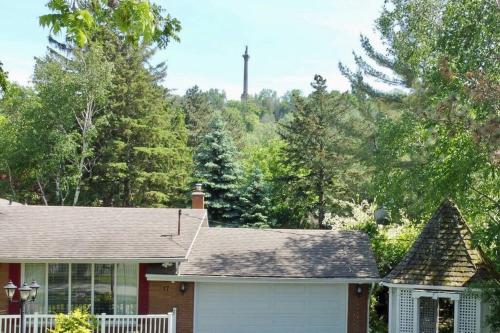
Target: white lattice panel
{"points": [[406, 311], [468, 313]]}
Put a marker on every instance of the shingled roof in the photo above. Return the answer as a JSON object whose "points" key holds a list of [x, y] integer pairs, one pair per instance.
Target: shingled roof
{"points": [[443, 254], [281, 253], [41, 233]]}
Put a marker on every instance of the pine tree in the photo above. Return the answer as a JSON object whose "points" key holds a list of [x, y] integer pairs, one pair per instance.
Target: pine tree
{"points": [[314, 155], [218, 170], [142, 158], [254, 202]]}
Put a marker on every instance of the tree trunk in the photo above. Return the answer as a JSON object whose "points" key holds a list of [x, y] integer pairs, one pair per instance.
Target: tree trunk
{"points": [[40, 187]]}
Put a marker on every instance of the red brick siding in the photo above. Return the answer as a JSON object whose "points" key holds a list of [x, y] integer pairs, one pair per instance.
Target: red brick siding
{"points": [[4, 279], [164, 296], [198, 200], [357, 315]]}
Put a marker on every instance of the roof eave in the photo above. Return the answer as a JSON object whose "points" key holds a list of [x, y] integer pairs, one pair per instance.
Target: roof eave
{"points": [[94, 260], [253, 279]]}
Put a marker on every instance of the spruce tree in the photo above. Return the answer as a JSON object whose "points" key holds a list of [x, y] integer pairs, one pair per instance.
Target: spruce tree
{"points": [[254, 202], [217, 168]]}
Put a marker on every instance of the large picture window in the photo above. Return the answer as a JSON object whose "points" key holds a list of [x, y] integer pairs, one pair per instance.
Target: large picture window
{"points": [[103, 288]]}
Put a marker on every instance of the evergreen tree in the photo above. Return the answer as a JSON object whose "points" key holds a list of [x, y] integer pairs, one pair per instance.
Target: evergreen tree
{"points": [[197, 114], [218, 170], [315, 152], [142, 158], [254, 202]]}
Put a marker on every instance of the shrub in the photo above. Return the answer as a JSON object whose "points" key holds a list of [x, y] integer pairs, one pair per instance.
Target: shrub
{"points": [[78, 321]]}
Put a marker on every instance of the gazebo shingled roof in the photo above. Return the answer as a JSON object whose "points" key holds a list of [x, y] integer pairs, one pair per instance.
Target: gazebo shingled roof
{"points": [[443, 254]]}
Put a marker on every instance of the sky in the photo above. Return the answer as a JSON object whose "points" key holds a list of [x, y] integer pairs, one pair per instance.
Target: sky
{"points": [[289, 41]]}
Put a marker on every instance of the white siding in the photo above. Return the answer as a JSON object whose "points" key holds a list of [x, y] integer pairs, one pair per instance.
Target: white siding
{"points": [[270, 308]]}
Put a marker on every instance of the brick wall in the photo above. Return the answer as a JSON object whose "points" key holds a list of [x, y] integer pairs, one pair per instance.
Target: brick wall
{"points": [[4, 279], [357, 321], [164, 296]]}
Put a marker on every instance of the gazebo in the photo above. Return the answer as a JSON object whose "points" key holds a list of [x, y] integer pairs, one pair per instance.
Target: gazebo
{"points": [[432, 289]]}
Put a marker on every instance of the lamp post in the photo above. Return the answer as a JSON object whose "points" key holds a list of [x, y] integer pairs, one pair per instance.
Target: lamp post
{"points": [[27, 294]]}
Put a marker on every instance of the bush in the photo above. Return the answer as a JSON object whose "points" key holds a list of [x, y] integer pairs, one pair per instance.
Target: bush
{"points": [[78, 321]]}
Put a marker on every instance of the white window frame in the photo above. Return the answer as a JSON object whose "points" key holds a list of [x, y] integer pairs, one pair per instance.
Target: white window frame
{"points": [[417, 294], [92, 297]]}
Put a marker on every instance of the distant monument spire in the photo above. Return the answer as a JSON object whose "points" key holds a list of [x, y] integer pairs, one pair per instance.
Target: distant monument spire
{"points": [[244, 96]]}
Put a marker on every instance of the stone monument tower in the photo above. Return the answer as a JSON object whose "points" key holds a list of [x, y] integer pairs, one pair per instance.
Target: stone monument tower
{"points": [[244, 96]]}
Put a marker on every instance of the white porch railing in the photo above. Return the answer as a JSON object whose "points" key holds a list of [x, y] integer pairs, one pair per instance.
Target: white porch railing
{"points": [[38, 323]]}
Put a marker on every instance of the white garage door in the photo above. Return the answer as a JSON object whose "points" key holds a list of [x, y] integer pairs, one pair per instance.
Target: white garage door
{"points": [[270, 308]]}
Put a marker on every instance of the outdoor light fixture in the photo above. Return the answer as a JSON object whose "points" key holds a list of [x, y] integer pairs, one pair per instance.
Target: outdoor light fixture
{"points": [[26, 294], [34, 290], [359, 290], [183, 288], [10, 290]]}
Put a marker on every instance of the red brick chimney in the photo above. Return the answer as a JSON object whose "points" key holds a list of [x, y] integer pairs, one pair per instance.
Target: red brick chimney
{"points": [[198, 197]]}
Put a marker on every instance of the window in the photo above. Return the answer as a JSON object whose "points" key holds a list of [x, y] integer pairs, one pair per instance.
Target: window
{"points": [[104, 288], [126, 289], [57, 291], [81, 285], [35, 272]]}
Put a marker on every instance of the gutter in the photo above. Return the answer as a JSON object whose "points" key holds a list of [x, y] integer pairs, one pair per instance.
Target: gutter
{"points": [[94, 260], [421, 286], [242, 279]]}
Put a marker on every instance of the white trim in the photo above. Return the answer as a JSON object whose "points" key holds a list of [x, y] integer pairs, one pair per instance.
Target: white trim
{"points": [[92, 285], [46, 310], [416, 314], [455, 316], [92, 288], [195, 236], [435, 295], [195, 306], [419, 286], [346, 308], [69, 287], [90, 260], [137, 289], [114, 291], [398, 308], [220, 279], [389, 312]]}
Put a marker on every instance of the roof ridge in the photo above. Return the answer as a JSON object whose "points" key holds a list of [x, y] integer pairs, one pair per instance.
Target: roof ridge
{"points": [[436, 242]]}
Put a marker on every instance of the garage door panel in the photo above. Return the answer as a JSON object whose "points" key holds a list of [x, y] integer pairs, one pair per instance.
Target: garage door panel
{"points": [[270, 308]]}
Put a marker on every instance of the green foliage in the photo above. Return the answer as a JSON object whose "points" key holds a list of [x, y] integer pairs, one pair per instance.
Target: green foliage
{"points": [[3, 79], [442, 141], [137, 21], [51, 132], [254, 202], [142, 147], [316, 152], [218, 169], [491, 295], [197, 114], [78, 321]]}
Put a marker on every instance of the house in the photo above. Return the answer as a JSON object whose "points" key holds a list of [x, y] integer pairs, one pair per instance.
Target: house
{"points": [[5, 202], [435, 285], [128, 262]]}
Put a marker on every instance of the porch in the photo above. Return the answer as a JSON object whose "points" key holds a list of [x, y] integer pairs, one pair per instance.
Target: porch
{"points": [[42, 323]]}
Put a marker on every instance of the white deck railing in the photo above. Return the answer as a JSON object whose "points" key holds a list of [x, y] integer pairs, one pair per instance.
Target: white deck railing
{"points": [[38, 323]]}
